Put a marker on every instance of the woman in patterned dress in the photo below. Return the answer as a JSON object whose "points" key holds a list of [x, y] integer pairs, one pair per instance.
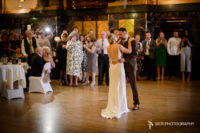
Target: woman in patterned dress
{"points": [[74, 57]]}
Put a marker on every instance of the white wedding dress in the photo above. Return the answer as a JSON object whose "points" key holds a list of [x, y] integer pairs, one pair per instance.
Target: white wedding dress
{"points": [[117, 100]]}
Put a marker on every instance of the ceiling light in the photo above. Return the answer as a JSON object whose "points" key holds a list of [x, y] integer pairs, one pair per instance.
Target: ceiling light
{"points": [[47, 29]]}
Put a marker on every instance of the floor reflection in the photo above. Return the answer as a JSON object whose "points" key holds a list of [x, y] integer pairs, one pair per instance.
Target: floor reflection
{"points": [[77, 109]]}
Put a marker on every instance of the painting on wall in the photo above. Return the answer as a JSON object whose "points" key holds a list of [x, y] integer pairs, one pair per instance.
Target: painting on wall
{"points": [[101, 26], [79, 25], [89, 25], [128, 24]]}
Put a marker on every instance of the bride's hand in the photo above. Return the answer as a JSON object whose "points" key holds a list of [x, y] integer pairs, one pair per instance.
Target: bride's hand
{"points": [[121, 60]]}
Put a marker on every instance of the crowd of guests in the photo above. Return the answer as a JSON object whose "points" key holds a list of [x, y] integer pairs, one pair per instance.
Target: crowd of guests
{"points": [[176, 53], [76, 55], [34, 48]]}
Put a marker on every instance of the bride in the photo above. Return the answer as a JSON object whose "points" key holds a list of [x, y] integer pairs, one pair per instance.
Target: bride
{"points": [[117, 102]]}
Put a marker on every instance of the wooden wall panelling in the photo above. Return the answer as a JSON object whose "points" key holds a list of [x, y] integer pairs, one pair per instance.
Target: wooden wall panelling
{"points": [[88, 25], [128, 24], [101, 26], [78, 24]]}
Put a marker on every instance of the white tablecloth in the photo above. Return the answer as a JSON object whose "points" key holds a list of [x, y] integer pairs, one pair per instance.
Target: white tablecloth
{"points": [[11, 73]]}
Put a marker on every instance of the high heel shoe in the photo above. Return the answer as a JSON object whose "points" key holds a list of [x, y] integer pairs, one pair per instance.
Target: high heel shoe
{"points": [[85, 83], [92, 84]]}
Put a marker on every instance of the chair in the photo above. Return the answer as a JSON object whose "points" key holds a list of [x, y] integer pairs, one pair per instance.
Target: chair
{"points": [[12, 93], [41, 84]]}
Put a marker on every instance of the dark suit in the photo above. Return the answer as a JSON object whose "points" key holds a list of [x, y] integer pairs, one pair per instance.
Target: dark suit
{"points": [[27, 48], [150, 60], [130, 66], [37, 63]]}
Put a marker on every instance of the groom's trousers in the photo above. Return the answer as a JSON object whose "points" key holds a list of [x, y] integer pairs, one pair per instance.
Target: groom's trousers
{"points": [[130, 69]]}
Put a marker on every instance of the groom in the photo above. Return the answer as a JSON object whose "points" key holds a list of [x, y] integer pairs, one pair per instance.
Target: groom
{"points": [[130, 64]]}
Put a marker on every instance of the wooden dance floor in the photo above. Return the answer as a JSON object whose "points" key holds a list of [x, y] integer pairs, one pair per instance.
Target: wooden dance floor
{"points": [[77, 110]]}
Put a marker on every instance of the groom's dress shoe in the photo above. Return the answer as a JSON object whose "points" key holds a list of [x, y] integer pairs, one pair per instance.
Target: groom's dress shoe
{"points": [[135, 107]]}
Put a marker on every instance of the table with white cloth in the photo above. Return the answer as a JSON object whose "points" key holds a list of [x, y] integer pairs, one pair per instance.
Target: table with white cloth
{"points": [[12, 73]]}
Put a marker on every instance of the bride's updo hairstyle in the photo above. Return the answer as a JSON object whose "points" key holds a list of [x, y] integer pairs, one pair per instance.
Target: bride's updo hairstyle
{"points": [[111, 39]]}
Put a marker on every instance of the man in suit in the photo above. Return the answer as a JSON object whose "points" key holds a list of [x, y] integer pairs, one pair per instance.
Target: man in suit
{"points": [[28, 46], [37, 62], [103, 59], [149, 50], [130, 64]]}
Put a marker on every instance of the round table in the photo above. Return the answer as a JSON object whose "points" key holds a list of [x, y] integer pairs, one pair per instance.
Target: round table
{"points": [[12, 73]]}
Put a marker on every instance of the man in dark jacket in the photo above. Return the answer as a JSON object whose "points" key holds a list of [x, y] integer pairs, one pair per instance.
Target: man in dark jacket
{"points": [[130, 64], [37, 62], [28, 46], [149, 51]]}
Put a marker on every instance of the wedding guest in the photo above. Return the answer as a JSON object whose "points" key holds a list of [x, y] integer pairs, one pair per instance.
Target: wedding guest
{"points": [[21, 37], [18, 55], [84, 62], [28, 46], [37, 62], [103, 59], [107, 33], [173, 49], [37, 33], [49, 36], [61, 58], [91, 59], [186, 60], [4, 45], [161, 52], [64, 31], [149, 51], [4, 32], [140, 55], [39, 59], [47, 56], [1, 47], [91, 31], [116, 36], [74, 57], [11, 31], [75, 28], [14, 43], [43, 40]]}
